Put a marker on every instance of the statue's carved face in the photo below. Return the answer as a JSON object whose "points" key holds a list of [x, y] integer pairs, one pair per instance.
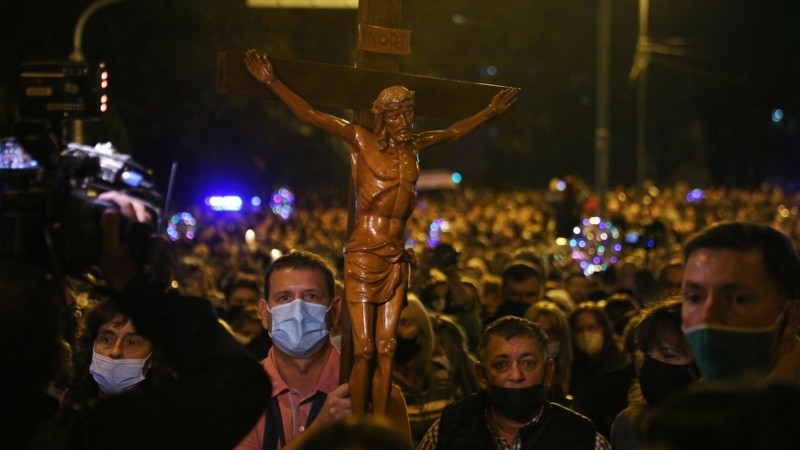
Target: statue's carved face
{"points": [[399, 123]]}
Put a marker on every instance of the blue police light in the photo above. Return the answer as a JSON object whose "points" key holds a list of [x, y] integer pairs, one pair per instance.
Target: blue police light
{"points": [[224, 202], [255, 201]]}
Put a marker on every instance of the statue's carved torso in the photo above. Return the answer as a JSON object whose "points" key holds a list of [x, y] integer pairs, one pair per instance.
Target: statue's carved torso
{"points": [[385, 184]]}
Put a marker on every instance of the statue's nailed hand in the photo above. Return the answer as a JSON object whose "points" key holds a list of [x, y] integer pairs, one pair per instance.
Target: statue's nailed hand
{"points": [[503, 100], [259, 66]]}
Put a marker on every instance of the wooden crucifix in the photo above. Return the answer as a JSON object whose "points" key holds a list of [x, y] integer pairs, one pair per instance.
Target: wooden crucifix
{"points": [[383, 154]]}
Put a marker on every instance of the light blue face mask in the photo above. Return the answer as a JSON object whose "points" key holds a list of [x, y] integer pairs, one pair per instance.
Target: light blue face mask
{"points": [[725, 353], [116, 375], [299, 328]]}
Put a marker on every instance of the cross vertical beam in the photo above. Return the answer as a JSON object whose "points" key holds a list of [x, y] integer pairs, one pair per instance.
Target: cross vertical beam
{"points": [[372, 13]]}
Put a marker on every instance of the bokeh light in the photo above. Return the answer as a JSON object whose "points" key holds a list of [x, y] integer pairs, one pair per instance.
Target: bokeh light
{"points": [[435, 231], [282, 203], [182, 225], [595, 244]]}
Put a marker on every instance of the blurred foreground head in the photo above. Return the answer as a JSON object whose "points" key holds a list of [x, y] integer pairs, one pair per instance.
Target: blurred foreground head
{"points": [[356, 433], [29, 328], [728, 416]]}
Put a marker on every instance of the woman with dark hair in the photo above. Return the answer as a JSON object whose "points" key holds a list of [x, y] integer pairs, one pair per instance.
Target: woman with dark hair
{"points": [[601, 373], [111, 357], [665, 366]]}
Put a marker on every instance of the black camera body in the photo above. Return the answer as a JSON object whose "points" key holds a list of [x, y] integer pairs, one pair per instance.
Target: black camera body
{"points": [[49, 208], [50, 215]]}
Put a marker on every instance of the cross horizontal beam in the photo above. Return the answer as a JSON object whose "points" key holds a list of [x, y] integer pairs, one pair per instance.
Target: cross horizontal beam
{"points": [[347, 87]]}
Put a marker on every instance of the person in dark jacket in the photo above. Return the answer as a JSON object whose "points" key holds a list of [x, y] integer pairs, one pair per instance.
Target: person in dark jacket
{"points": [[211, 403], [511, 411]]}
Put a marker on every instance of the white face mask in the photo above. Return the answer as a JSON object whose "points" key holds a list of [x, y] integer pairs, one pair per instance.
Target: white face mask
{"points": [[116, 375], [590, 342], [299, 328]]}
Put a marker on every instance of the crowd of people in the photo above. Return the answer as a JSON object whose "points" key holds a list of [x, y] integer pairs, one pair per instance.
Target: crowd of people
{"points": [[486, 228], [503, 340]]}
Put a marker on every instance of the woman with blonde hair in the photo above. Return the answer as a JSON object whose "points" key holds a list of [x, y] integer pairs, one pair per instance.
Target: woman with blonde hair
{"points": [[425, 385], [559, 343]]}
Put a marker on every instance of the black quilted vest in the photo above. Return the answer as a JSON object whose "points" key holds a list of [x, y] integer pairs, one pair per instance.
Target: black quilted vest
{"points": [[463, 427]]}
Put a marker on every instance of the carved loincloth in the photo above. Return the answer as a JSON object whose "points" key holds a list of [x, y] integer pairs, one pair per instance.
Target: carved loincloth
{"points": [[376, 273]]}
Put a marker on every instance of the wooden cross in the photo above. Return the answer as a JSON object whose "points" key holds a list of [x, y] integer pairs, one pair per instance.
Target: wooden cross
{"points": [[356, 87], [380, 43]]}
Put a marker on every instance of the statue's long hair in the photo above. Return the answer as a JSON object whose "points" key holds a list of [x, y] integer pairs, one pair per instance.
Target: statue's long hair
{"points": [[390, 99]]}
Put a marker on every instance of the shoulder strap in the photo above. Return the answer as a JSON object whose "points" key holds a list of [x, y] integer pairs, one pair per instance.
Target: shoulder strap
{"points": [[273, 425], [316, 406]]}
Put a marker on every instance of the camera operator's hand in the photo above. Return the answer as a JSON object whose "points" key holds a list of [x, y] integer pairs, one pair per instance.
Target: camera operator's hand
{"points": [[115, 259]]}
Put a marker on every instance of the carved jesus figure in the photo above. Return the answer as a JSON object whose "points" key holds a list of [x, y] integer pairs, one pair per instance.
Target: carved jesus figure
{"points": [[384, 173]]}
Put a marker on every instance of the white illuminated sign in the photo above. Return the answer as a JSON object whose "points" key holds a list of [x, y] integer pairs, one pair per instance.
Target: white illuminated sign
{"points": [[330, 4]]}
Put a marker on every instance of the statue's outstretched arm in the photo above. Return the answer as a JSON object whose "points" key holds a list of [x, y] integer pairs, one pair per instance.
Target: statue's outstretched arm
{"points": [[261, 68], [498, 105]]}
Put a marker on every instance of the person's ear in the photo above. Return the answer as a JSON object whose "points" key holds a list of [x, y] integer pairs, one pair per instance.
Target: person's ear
{"points": [[480, 372], [264, 314], [792, 312], [335, 313], [791, 319], [549, 369]]}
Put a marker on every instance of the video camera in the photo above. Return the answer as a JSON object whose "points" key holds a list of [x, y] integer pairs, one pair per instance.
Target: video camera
{"points": [[49, 208]]}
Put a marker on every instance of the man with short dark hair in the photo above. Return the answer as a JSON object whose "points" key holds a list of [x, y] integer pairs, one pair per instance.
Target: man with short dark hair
{"points": [[741, 292], [299, 310], [511, 411], [522, 286], [241, 315], [242, 291]]}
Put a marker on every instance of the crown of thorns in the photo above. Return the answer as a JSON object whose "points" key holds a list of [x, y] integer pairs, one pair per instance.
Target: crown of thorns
{"points": [[381, 105]]}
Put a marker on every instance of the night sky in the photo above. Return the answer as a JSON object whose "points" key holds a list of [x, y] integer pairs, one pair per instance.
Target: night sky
{"points": [[721, 74]]}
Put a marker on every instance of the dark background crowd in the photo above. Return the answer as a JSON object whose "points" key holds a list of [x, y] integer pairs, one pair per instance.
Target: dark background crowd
{"points": [[485, 227]]}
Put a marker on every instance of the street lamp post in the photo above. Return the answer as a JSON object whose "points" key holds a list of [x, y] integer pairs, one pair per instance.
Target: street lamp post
{"points": [[642, 61], [78, 56], [602, 135], [77, 37]]}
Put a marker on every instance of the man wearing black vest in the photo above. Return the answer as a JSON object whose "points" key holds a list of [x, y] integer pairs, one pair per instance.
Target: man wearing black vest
{"points": [[511, 411]]}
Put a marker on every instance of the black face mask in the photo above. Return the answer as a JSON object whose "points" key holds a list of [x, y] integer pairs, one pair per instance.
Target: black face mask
{"points": [[517, 404], [406, 350], [658, 380], [232, 312], [515, 308]]}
